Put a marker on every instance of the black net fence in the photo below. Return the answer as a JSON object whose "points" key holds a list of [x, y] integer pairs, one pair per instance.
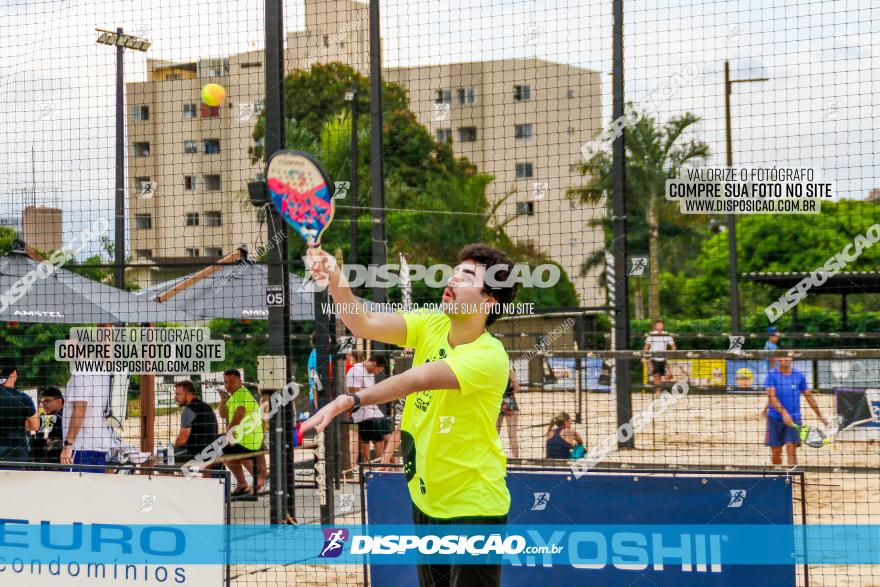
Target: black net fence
{"points": [[735, 220]]}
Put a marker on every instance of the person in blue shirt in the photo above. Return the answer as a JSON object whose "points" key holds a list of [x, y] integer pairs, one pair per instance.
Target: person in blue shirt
{"points": [[771, 344], [784, 388]]}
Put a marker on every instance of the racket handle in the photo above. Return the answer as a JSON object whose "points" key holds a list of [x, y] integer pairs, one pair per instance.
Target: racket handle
{"points": [[297, 435]]}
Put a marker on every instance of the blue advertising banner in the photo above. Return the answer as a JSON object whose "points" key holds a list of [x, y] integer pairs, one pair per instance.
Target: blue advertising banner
{"points": [[748, 374], [543, 499]]}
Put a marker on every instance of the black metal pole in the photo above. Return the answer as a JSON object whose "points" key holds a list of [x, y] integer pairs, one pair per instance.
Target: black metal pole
{"points": [[731, 218], [353, 229], [325, 396], [377, 163], [282, 501], [119, 246], [618, 173]]}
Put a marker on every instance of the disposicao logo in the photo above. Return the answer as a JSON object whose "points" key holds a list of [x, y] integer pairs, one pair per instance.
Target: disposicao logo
{"points": [[334, 540]]}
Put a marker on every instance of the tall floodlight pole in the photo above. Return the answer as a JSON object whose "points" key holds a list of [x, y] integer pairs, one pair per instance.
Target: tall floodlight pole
{"points": [[122, 42], [731, 218]]}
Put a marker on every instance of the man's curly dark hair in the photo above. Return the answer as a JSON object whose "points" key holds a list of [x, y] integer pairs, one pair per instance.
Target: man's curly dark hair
{"points": [[491, 257]]}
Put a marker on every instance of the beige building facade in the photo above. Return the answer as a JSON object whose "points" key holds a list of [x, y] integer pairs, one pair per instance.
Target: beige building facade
{"points": [[41, 228], [521, 120]]}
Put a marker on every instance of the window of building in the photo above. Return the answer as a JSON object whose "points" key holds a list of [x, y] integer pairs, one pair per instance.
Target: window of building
{"points": [[142, 149], [211, 146], [143, 221], [140, 113], [172, 77], [521, 93], [189, 110], [573, 167], [193, 253], [570, 93], [190, 147], [523, 131], [443, 97], [192, 218], [467, 134], [466, 95], [142, 183], [212, 182], [260, 142], [143, 253], [524, 170], [189, 182], [443, 134], [210, 111], [250, 64], [213, 252], [525, 208], [213, 218], [326, 40]]}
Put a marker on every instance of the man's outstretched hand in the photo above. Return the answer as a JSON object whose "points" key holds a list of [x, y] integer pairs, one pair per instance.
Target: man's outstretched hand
{"points": [[325, 415]]}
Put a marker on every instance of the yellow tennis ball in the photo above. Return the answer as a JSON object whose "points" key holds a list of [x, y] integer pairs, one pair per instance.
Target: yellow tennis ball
{"points": [[213, 94]]}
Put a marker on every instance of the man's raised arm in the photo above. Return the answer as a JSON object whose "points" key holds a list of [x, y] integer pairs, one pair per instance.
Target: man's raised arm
{"points": [[356, 316]]}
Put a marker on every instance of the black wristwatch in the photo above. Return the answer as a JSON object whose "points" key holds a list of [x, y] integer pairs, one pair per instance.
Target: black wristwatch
{"points": [[357, 401], [68, 443]]}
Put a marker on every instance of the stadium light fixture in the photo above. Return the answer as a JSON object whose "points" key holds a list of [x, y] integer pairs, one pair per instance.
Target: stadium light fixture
{"points": [[121, 41]]}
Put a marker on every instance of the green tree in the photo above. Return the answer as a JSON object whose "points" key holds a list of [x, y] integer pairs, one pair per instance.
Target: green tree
{"points": [[436, 202], [772, 243], [654, 153]]}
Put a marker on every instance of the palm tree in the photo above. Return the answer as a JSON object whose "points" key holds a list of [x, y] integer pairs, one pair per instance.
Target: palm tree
{"points": [[654, 153]]}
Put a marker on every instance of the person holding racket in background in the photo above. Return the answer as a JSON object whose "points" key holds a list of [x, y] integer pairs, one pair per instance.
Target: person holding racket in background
{"points": [[784, 387], [453, 461]]}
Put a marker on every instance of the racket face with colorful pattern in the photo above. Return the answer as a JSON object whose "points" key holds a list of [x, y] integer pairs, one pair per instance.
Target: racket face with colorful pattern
{"points": [[301, 192]]}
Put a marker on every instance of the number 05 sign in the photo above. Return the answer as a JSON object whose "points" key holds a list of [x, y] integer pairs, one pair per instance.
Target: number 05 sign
{"points": [[274, 295]]}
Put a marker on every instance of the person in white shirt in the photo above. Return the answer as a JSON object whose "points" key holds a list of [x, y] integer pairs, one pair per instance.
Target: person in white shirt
{"points": [[658, 340], [87, 435], [369, 419]]}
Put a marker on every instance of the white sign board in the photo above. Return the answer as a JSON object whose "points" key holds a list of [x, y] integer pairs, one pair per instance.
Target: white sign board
{"points": [[94, 498]]}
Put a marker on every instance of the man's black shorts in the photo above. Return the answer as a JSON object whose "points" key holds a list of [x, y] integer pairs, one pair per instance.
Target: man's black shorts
{"points": [[457, 575], [237, 449], [374, 429], [658, 367]]}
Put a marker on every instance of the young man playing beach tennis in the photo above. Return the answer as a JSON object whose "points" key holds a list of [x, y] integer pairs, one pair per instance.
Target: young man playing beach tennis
{"points": [[452, 457]]}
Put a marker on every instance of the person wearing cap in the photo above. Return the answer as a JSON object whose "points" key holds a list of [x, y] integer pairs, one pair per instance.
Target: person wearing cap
{"points": [[18, 416], [772, 344], [50, 438]]}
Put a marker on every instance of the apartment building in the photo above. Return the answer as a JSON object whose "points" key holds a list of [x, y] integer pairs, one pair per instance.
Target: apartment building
{"points": [[189, 164], [521, 120]]}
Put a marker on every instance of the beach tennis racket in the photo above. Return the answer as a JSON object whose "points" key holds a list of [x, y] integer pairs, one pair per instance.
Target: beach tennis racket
{"points": [[301, 192], [811, 436]]}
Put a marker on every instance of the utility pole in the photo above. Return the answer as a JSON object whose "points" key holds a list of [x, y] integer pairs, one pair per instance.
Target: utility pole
{"points": [[731, 218]]}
